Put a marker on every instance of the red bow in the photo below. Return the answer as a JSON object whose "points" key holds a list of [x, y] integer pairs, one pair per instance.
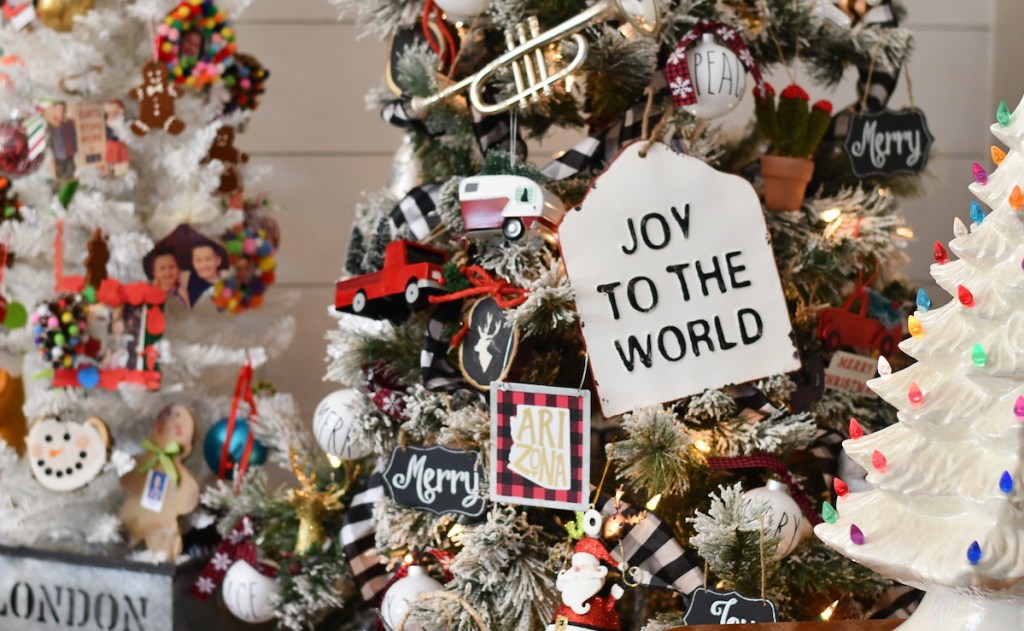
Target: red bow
{"points": [[482, 283]]}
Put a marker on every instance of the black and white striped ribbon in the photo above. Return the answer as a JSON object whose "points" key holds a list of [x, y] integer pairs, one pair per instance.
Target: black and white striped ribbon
{"points": [[358, 536], [879, 82], [897, 603], [597, 150], [438, 373], [651, 545]]}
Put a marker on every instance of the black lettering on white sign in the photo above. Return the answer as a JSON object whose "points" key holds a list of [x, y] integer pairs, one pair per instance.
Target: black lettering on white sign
{"points": [[711, 607], [436, 479], [888, 143]]}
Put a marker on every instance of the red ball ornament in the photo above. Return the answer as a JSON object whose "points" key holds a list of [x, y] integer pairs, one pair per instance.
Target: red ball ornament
{"points": [[15, 155]]}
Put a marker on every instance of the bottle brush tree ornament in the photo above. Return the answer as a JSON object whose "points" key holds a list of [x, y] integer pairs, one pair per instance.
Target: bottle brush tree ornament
{"points": [[795, 130], [945, 514]]}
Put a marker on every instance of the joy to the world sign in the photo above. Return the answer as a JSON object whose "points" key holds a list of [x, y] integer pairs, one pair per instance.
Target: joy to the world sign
{"points": [[675, 281]]}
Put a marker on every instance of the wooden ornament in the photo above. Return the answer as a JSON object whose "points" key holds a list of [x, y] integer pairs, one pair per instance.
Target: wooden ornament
{"points": [[96, 261], [161, 488], [224, 150], [13, 427], [490, 344], [156, 102], [64, 455]]}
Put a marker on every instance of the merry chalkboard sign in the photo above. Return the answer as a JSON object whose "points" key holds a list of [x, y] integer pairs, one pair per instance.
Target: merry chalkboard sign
{"points": [[888, 142], [711, 607], [675, 281], [436, 479]]}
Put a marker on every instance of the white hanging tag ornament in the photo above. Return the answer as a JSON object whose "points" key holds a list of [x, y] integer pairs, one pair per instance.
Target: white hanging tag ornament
{"points": [[675, 281]]}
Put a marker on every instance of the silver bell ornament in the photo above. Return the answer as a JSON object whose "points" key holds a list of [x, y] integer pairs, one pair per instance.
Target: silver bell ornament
{"points": [[788, 522], [719, 78], [402, 594]]}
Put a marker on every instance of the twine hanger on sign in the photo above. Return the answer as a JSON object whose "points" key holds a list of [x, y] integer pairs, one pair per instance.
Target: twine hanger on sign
{"points": [[646, 134], [876, 51]]}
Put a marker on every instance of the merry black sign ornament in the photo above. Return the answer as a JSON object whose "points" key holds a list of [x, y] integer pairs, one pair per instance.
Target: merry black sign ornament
{"points": [[888, 142], [436, 479]]}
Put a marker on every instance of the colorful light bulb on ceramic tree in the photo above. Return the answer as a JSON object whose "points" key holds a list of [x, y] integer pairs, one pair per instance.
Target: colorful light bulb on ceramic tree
{"points": [[924, 303], [856, 431], [940, 254], [977, 212], [1017, 198], [959, 229], [979, 356], [884, 367], [1003, 115], [979, 173], [998, 155], [965, 296]]}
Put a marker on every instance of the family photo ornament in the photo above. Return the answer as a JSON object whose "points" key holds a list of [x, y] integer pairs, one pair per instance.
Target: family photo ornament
{"points": [[540, 445], [675, 280]]}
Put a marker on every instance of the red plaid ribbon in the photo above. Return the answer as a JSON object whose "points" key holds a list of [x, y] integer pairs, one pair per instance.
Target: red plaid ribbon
{"points": [[766, 461], [237, 547], [677, 69]]}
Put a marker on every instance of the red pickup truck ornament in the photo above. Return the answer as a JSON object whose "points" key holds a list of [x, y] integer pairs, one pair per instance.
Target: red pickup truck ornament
{"points": [[511, 204], [851, 326], [411, 273]]}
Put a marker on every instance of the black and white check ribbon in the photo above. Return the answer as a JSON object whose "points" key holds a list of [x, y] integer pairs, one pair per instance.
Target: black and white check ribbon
{"points": [[879, 82], [358, 536], [652, 546], [597, 150], [438, 373], [418, 211]]}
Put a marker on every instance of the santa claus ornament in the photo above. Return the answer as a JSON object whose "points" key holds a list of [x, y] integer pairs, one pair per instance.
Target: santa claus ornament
{"points": [[591, 585]]}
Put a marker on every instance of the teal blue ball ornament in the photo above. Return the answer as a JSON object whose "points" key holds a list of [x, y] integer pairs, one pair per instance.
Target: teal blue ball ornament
{"points": [[213, 444]]}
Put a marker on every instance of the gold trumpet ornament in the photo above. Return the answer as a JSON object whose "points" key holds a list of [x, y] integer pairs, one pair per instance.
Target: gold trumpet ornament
{"points": [[528, 62]]}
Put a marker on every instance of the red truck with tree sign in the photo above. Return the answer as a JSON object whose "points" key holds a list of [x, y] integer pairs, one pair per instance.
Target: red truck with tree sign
{"points": [[851, 325], [411, 272]]}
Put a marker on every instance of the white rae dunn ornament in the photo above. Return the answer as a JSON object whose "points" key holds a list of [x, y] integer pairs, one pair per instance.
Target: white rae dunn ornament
{"points": [[249, 595], [675, 280], [463, 10], [788, 522], [64, 456], [399, 598], [707, 71], [333, 423]]}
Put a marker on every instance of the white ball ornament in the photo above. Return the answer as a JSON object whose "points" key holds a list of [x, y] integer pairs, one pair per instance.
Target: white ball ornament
{"points": [[463, 10], [789, 524], [719, 78], [333, 421], [402, 594], [249, 595]]}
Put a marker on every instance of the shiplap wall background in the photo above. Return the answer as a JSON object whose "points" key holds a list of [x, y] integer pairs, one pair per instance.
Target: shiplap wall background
{"points": [[326, 148]]}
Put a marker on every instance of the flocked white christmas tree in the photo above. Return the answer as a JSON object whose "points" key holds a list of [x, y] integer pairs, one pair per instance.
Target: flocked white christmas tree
{"points": [[947, 511], [168, 184]]}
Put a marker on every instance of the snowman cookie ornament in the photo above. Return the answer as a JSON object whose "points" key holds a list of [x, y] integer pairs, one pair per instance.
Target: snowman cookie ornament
{"points": [[64, 455]]}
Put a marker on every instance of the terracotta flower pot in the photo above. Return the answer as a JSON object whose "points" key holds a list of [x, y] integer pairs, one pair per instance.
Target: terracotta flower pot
{"points": [[785, 181]]}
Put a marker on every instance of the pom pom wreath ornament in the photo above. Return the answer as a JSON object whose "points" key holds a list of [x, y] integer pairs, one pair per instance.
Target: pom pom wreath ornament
{"points": [[22, 148], [250, 594], [196, 42], [940, 254], [402, 593], [334, 421], [252, 261], [788, 521], [213, 446], [60, 330], [246, 81]]}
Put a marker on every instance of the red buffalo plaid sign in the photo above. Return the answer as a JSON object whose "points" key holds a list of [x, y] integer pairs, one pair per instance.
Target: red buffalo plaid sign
{"points": [[540, 445]]}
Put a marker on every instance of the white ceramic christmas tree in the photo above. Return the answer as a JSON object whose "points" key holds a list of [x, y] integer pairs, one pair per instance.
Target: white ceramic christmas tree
{"points": [[947, 511]]}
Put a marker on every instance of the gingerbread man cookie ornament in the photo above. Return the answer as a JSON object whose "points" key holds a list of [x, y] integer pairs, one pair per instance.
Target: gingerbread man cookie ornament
{"points": [[224, 149], [161, 488], [156, 102]]}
